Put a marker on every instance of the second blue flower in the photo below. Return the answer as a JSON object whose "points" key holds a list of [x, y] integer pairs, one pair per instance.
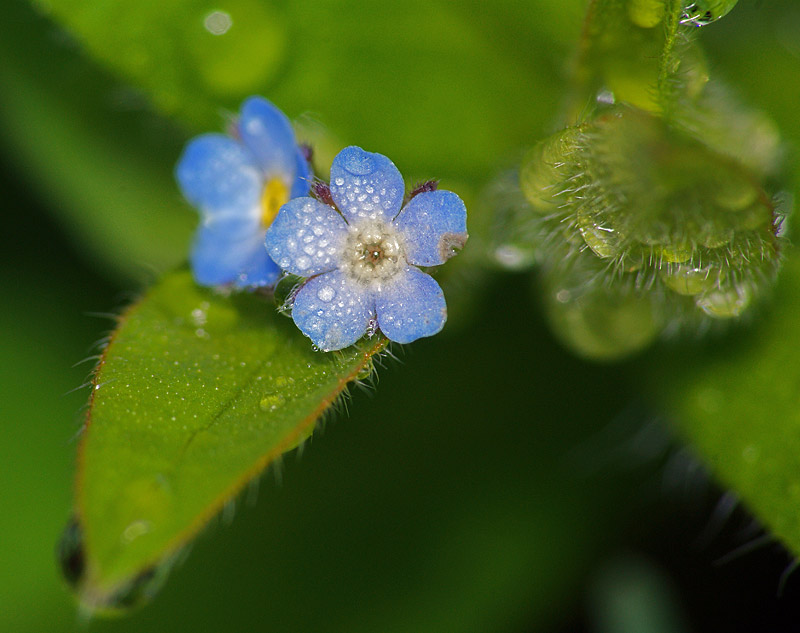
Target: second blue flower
{"points": [[238, 183]]}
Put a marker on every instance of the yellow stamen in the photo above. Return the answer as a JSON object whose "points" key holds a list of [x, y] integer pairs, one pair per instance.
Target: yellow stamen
{"points": [[275, 195]]}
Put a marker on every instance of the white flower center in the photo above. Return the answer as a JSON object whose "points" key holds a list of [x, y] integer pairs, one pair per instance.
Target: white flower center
{"points": [[373, 253]]}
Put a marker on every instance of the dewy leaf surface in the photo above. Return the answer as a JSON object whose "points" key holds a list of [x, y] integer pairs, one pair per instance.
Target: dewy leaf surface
{"points": [[195, 395], [737, 399]]}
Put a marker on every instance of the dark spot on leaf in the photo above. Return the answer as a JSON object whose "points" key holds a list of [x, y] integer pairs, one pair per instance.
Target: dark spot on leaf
{"points": [[70, 553]]}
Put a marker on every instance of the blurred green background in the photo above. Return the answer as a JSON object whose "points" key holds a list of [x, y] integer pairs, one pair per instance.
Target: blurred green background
{"points": [[490, 481]]}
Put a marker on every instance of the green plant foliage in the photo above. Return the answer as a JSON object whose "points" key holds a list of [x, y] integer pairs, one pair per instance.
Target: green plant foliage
{"points": [[657, 207], [78, 111], [179, 52], [418, 67], [650, 213], [92, 149], [194, 396], [414, 514], [735, 399]]}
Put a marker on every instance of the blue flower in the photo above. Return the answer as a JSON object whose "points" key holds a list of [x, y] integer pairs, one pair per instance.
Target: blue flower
{"points": [[238, 183], [361, 253]]}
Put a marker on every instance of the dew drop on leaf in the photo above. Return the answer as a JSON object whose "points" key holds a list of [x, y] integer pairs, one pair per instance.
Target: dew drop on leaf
{"points": [[271, 402], [725, 303]]}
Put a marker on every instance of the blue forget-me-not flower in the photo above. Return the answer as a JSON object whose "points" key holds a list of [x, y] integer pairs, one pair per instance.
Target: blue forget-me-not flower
{"points": [[238, 183], [361, 253]]}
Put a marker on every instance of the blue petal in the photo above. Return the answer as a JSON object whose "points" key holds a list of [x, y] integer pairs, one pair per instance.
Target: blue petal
{"points": [[267, 132], [333, 311], [303, 176], [218, 175], [306, 238], [231, 251], [366, 185], [435, 227], [410, 306], [259, 270]]}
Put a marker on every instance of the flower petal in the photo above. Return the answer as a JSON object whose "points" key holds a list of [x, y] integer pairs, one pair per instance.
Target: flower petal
{"points": [[333, 311], [232, 252], [218, 175], [410, 306], [366, 185], [306, 238], [435, 227], [259, 270], [267, 132], [303, 176]]}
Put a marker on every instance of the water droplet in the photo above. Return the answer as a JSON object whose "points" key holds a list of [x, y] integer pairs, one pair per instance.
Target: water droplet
{"points": [[218, 22], [359, 163], [271, 402], [606, 97], [136, 529], [326, 293], [200, 314], [703, 12], [605, 323], [689, 280], [282, 381], [675, 253], [725, 303], [514, 257], [365, 372], [603, 240]]}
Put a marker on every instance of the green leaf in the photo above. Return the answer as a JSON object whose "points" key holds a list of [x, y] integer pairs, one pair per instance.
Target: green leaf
{"points": [[449, 88], [737, 401], [653, 212], [91, 150], [194, 396]]}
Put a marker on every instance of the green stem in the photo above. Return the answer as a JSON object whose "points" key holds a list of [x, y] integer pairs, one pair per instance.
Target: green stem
{"points": [[581, 73], [672, 23]]}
